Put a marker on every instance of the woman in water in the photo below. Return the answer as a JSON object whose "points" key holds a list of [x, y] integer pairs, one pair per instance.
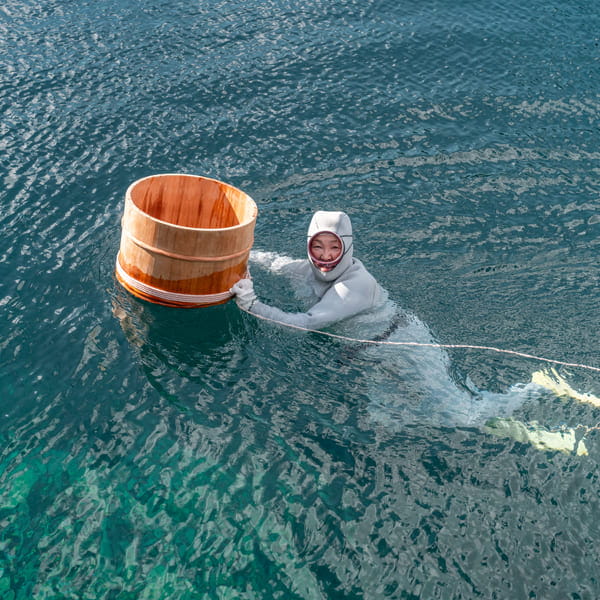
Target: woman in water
{"points": [[340, 284], [410, 380]]}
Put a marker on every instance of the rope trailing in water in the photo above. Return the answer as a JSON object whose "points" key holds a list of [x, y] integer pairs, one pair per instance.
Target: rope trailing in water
{"points": [[432, 345]]}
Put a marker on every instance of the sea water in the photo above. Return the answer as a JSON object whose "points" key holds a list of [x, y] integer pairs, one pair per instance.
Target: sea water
{"points": [[156, 453]]}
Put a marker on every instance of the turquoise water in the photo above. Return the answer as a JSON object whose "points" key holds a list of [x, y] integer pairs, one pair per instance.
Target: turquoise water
{"points": [[154, 453]]}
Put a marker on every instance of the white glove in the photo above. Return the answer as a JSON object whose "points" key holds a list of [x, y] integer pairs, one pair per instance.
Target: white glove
{"points": [[244, 293]]}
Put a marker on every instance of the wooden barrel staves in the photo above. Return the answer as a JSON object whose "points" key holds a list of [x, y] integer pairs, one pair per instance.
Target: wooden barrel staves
{"points": [[185, 239]]}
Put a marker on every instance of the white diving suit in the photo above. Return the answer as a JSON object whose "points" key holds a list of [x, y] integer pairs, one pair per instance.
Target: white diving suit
{"points": [[410, 379]]}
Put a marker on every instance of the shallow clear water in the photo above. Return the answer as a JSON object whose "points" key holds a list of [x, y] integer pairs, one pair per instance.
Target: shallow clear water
{"points": [[158, 453]]}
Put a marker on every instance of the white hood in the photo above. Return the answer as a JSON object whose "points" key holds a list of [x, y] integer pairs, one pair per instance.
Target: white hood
{"points": [[333, 222]]}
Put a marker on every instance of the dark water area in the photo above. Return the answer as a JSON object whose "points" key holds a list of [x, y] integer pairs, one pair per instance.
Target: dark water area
{"points": [[156, 453]]}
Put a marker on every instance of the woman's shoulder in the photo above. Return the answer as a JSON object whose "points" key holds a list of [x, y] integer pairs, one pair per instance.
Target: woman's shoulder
{"points": [[357, 272]]}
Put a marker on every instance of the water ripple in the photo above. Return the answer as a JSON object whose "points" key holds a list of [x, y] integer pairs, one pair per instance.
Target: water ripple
{"points": [[154, 453]]}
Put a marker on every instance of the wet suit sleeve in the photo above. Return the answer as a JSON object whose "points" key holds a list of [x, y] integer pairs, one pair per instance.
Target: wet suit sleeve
{"points": [[341, 301]]}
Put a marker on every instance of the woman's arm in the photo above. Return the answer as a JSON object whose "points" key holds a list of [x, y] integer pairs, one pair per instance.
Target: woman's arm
{"points": [[338, 303]]}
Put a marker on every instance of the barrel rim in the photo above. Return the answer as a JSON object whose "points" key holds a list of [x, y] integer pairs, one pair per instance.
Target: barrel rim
{"points": [[129, 199]]}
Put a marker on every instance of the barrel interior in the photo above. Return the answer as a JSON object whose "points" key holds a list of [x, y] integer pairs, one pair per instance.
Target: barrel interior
{"points": [[190, 201]]}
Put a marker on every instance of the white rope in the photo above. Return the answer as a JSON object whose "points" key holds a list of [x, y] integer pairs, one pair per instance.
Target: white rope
{"points": [[149, 290], [431, 345]]}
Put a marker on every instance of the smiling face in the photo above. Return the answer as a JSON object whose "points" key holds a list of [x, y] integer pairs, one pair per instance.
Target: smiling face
{"points": [[325, 251]]}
